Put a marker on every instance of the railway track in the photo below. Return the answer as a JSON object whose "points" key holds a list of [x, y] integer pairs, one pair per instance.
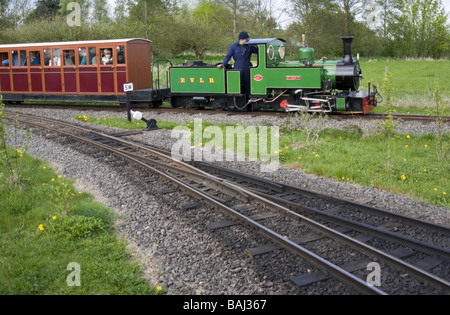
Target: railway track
{"points": [[286, 219], [370, 116]]}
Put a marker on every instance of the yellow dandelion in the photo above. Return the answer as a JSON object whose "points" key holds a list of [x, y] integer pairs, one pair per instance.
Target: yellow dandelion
{"points": [[159, 288], [54, 217], [53, 179], [41, 227], [408, 136], [425, 170], [403, 177], [426, 145], [286, 147], [44, 167], [444, 193], [435, 189], [299, 157], [59, 176], [80, 192], [343, 177], [317, 155], [406, 146]]}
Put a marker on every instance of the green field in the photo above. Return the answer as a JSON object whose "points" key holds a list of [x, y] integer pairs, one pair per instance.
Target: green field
{"points": [[413, 81]]}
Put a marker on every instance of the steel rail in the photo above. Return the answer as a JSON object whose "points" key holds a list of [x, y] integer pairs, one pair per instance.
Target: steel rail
{"points": [[279, 187], [362, 227], [345, 115]]}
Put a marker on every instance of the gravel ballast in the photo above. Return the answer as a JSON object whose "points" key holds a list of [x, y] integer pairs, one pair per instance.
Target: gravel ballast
{"points": [[175, 248]]}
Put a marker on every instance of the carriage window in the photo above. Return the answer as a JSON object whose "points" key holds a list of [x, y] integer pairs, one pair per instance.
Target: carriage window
{"points": [[82, 56], [56, 57], [47, 57], [120, 54], [15, 58], [4, 59], [35, 57], [23, 58], [106, 55], [69, 57], [92, 56]]}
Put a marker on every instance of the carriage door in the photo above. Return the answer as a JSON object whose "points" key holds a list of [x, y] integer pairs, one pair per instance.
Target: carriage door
{"points": [[107, 73], [52, 70], [36, 71], [5, 80], [121, 68], [70, 71], [87, 70], [20, 70]]}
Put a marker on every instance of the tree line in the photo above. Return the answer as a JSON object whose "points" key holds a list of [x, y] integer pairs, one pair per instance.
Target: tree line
{"points": [[397, 28]]}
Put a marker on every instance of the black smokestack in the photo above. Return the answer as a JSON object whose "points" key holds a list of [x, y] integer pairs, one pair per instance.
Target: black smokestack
{"points": [[347, 49]]}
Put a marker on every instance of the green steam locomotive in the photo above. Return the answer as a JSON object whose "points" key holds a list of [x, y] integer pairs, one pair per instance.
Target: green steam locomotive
{"points": [[276, 84]]}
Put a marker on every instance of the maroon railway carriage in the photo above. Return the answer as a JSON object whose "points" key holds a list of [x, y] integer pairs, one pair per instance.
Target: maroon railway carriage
{"points": [[83, 71]]}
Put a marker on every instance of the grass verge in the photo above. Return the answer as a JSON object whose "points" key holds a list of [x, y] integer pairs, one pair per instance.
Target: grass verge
{"points": [[46, 224]]}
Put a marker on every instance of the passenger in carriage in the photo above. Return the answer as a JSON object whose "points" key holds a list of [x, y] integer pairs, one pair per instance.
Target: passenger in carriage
{"points": [[23, 58], [56, 57], [37, 58], [82, 56], [92, 56], [120, 58], [68, 61], [107, 58]]}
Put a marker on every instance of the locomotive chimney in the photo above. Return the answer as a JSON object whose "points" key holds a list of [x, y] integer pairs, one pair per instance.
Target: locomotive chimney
{"points": [[347, 49]]}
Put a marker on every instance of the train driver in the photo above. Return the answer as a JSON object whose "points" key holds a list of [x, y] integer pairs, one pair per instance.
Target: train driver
{"points": [[241, 54]]}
